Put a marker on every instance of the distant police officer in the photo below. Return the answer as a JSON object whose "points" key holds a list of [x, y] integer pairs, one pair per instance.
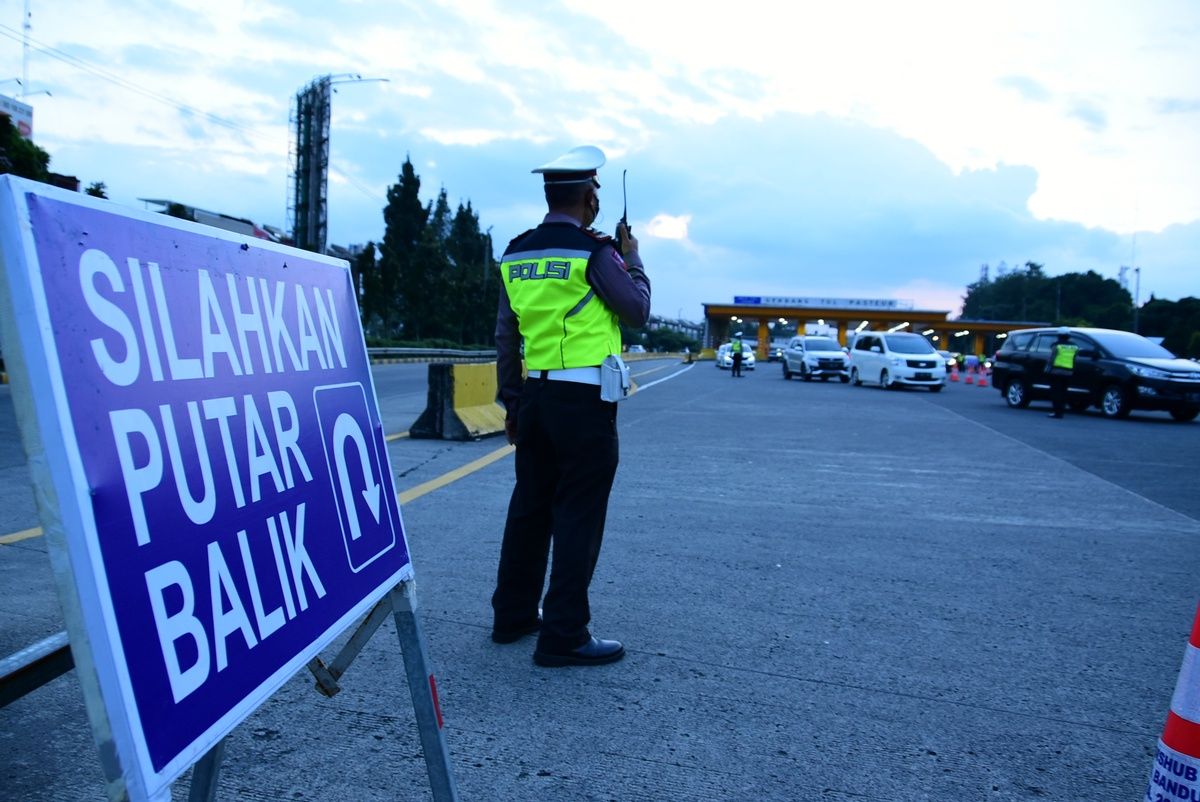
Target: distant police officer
{"points": [[566, 287], [1062, 367], [735, 351]]}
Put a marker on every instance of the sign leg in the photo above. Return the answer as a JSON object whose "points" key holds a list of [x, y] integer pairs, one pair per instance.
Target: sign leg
{"points": [[423, 687], [206, 773]]}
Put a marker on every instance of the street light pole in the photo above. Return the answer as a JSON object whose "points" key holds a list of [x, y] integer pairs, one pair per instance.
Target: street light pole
{"points": [[25, 26]]}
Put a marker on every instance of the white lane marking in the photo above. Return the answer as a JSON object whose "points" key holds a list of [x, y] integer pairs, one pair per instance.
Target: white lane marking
{"points": [[666, 378]]}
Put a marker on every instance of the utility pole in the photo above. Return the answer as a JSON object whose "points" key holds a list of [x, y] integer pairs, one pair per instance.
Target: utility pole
{"points": [[1137, 294]]}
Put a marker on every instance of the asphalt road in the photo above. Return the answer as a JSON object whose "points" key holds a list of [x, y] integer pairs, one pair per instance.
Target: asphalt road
{"points": [[827, 593]]}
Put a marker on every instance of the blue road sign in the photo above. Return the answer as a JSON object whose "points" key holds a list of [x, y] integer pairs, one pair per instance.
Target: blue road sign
{"points": [[213, 439], [356, 470]]}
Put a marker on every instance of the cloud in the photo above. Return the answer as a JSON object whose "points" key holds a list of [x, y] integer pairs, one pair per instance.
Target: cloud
{"points": [[1090, 115], [1026, 87], [463, 136], [763, 157], [841, 209], [665, 226], [1178, 105]]}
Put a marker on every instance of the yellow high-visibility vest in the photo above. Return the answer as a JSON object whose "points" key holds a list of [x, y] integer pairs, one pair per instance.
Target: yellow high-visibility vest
{"points": [[563, 322], [1064, 357]]}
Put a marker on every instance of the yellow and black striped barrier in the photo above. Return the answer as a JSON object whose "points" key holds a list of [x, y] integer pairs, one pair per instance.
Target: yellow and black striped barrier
{"points": [[461, 404]]}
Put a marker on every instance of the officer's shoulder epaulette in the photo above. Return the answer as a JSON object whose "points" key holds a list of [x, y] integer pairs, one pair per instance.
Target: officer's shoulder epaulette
{"points": [[600, 236], [522, 235]]}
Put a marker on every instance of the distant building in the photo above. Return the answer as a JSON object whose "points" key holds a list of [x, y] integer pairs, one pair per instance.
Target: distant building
{"points": [[227, 222], [694, 330], [347, 252]]}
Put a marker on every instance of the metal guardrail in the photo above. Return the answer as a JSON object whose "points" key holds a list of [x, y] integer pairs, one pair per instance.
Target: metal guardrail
{"points": [[34, 666], [429, 353], [480, 356]]}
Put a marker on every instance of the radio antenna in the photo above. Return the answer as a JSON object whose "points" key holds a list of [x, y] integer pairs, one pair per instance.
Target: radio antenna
{"points": [[625, 204]]}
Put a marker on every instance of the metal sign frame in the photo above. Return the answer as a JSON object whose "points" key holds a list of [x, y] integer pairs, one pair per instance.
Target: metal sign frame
{"points": [[70, 482]]}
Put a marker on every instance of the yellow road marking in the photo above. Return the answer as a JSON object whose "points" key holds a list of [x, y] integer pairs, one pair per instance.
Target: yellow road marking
{"points": [[17, 537], [396, 436], [454, 475]]}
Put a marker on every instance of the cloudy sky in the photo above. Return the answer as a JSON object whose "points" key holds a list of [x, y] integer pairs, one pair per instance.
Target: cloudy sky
{"points": [[849, 150]]}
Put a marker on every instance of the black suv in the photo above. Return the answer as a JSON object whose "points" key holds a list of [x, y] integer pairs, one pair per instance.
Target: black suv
{"points": [[1117, 371]]}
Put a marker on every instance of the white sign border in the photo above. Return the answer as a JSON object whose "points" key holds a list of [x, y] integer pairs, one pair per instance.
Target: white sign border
{"points": [[70, 528]]}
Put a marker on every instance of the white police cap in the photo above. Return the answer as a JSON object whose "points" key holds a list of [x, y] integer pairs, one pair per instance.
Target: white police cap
{"points": [[573, 167]]}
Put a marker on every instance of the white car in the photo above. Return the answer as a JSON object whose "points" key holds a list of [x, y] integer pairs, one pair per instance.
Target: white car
{"points": [[815, 357], [725, 357], [896, 358]]}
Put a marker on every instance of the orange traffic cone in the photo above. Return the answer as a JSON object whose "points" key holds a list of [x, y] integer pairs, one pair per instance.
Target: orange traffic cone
{"points": [[983, 382], [954, 373], [1176, 771], [970, 378]]}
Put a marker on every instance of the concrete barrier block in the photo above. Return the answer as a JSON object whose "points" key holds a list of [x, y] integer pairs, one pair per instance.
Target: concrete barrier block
{"points": [[461, 403]]}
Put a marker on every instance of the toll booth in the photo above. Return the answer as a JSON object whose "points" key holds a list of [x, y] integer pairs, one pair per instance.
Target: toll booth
{"points": [[767, 318]]}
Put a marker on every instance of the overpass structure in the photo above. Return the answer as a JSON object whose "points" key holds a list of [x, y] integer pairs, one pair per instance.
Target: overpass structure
{"points": [[773, 318]]}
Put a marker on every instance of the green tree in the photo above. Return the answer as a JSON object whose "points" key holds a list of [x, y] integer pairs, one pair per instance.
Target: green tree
{"points": [[20, 156], [364, 271], [663, 339], [1091, 298], [404, 224], [97, 190], [1019, 294], [436, 275], [1177, 322], [426, 293], [475, 281], [1028, 294], [443, 273]]}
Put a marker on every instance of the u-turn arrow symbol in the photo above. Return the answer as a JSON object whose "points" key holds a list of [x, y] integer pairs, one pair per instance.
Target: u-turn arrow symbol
{"points": [[347, 427]]}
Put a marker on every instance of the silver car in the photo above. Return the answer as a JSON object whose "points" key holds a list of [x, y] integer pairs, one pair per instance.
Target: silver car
{"points": [[815, 357]]}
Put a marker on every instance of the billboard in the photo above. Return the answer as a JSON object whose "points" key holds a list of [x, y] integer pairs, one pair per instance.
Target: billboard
{"points": [[20, 113], [224, 499]]}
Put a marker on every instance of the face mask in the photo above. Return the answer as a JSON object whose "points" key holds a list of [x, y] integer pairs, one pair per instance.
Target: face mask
{"points": [[595, 208]]}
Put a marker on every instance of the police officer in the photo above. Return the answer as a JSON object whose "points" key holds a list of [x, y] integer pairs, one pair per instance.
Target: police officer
{"points": [[1062, 367], [566, 287], [735, 351]]}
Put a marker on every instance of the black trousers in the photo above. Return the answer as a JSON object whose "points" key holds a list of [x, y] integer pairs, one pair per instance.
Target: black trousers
{"points": [[566, 459], [737, 365], [1058, 391]]}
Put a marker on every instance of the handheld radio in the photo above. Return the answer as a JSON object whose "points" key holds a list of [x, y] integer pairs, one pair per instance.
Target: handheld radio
{"points": [[624, 211]]}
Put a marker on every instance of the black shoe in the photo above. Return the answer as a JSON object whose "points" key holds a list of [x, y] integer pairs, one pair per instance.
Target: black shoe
{"points": [[516, 633], [595, 652]]}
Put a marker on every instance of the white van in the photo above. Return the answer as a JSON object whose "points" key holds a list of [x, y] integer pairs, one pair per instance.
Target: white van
{"points": [[890, 359]]}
